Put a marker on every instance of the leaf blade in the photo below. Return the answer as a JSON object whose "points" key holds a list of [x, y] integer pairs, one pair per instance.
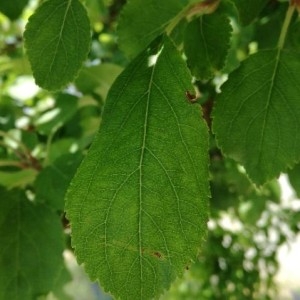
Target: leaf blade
{"points": [[258, 107], [32, 256], [201, 37], [57, 40], [143, 228]]}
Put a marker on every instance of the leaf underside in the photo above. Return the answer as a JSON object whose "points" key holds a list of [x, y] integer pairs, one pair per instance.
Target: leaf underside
{"points": [[57, 40], [257, 115], [138, 209]]}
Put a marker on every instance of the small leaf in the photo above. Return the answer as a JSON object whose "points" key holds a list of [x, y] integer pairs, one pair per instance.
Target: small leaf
{"points": [[249, 10], [65, 108], [138, 208], [137, 29], [12, 179], [13, 9], [31, 247], [56, 178], [256, 118], [100, 77], [57, 40], [206, 44]]}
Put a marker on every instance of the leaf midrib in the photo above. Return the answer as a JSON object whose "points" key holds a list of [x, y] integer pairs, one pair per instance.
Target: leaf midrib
{"points": [[141, 174], [267, 106]]}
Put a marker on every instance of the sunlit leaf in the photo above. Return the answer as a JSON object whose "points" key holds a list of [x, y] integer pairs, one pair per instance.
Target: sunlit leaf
{"points": [[138, 209], [12, 179]]}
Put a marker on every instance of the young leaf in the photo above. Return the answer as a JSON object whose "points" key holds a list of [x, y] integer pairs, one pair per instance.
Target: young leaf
{"points": [[249, 10], [31, 247], [13, 9], [57, 39], [206, 44], [137, 29], [138, 209], [256, 118]]}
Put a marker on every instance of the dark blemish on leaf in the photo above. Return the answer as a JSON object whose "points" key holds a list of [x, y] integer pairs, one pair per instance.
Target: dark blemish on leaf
{"points": [[158, 255], [192, 98]]}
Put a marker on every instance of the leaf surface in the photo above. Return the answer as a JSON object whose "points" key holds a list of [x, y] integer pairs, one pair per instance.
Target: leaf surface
{"points": [[13, 9], [56, 177], [249, 10], [138, 203], [206, 44], [31, 247], [57, 40], [141, 21], [257, 115]]}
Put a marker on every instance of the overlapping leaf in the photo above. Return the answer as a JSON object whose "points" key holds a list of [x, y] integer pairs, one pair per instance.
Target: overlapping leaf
{"points": [[138, 203], [206, 44], [57, 39], [249, 10], [31, 247], [257, 115], [56, 177], [13, 9], [143, 20]]}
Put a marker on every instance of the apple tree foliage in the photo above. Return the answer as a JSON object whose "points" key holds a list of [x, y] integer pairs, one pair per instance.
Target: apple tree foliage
{"points": [[150, 145]]}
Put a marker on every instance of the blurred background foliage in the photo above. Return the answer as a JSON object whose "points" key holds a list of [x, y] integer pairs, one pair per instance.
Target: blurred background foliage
{"points": [[44, 136]]}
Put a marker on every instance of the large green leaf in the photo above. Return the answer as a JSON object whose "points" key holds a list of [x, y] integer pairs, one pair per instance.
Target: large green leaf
{"points": [[257, 115], [31, 247], [13, 9], [142, 21], [57, 39], [249, 10], [206, 44], [138, 204]]}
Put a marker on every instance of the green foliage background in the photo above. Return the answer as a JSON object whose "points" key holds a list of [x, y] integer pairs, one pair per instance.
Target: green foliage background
{"points": [[151, 74]]}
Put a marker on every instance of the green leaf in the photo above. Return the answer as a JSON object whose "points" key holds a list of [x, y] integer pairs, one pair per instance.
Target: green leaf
{"points": [[294, 178], [98, 77], [141, 21], [57, 40], [32, 246], [138, 208], [256, 118], [249, 10], [14, 179], [13, 9], [56, 178], [206, 44], [65, 107]]}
